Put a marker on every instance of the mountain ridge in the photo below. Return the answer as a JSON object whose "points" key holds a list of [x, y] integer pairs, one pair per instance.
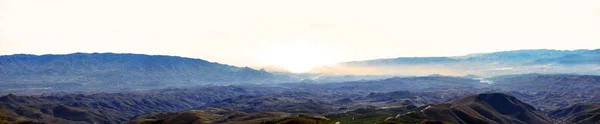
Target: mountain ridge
{"points": [[545, 61], [500, 54], [121, 72]]}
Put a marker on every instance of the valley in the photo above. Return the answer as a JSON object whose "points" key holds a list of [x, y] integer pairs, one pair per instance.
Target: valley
{"points": [[135, 89], [407, 99]]}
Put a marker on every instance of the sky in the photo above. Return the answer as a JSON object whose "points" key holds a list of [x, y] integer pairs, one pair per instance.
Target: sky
{"points": [[296, 33]]}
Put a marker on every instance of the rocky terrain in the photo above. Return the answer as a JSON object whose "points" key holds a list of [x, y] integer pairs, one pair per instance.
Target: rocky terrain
{"points": [[133, 88], [480, 108], [537, 102], [578, 113]]}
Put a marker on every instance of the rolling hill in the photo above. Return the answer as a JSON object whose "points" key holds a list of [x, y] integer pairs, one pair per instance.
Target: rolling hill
{"points": [[486, 108], [550, 94], [578, 113], [481, 108]]}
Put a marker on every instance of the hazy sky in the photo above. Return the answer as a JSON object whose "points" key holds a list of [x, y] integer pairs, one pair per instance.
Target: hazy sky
{"points": [[265, 32]]}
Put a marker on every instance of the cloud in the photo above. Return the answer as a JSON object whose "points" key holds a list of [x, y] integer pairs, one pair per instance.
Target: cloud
{"points": [[219, 30]]}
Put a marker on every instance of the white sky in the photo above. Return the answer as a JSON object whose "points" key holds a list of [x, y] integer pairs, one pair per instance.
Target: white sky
{"points": [[248, 32]]}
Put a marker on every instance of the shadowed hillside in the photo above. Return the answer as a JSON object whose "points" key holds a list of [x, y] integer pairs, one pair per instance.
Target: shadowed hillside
{"points": [[481, 108], [485, 108], [114, 107], [578, 113], [476, 109], [213, 115]]}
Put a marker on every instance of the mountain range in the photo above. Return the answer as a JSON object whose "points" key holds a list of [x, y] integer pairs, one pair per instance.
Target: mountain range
{"points": [[482, 64], [525, 86], [109, 72]]}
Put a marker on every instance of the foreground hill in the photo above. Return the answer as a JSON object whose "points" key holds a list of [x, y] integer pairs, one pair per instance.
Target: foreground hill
{"points": [[484, 64], [117, 72], [118, 107], [113, 107], [214, 115], [481, 108], [578, 113], [487, 108]]}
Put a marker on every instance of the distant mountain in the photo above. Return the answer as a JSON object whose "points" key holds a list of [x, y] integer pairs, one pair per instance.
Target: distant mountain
{"points": [[117, 72], [540, 56], [483, 64]]}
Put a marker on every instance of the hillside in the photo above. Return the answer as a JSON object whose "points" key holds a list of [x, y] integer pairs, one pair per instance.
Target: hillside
{"points": [[226, 116], [578, 113], [394, 84], [115, 107], [550, 94], [550, 91], [490, 108], [480, 108], [486, 108]]}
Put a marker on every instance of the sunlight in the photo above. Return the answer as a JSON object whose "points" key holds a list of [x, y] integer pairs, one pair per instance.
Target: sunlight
{"points": [[296, 57]]}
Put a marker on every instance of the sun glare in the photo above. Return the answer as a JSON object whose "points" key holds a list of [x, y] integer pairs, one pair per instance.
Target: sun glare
{"points": [[297, 57]]}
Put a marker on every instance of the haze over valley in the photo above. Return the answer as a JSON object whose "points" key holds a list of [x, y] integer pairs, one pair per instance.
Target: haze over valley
{"points": [[115, 88], [299, 62]]}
